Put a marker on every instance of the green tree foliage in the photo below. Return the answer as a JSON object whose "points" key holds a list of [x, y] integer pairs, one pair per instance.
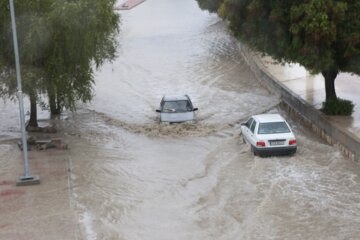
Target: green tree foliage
{"points": [[210, 5], [321, 35], [60, 43]]}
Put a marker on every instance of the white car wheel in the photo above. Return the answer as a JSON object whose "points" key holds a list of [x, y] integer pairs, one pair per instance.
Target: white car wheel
{"points": [[252, 150]]}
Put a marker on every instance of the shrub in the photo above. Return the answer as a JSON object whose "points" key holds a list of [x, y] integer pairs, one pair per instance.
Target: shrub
{"points": [[338, 107]]}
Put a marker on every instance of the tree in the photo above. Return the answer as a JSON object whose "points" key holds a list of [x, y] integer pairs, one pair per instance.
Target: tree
{"points": [[321, 35], [210, 5], [60, 43]]}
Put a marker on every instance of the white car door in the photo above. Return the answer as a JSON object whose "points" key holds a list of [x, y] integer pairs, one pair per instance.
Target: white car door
{"points": [[252, 135], [245, 129]]}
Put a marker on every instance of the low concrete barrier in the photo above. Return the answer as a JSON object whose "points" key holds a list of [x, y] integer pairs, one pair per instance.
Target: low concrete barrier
{"points": [[347, 142]]}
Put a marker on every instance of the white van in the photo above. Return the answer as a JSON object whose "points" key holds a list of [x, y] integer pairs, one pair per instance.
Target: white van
{"points": [[176, 108]]}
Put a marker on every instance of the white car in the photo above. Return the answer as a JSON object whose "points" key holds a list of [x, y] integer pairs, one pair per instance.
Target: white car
{"points": [[176, 108], [269, 134]]}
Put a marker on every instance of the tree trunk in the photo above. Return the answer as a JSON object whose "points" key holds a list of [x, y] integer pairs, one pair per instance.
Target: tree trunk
{"points": [[33, 111], [330, 76], [54, 105]]}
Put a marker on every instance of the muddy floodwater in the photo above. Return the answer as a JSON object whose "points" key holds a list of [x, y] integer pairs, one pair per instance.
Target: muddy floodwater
{"points": [[135, 179]]}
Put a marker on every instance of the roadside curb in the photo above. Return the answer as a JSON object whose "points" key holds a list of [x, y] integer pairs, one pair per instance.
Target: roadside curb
{"points": [[129, 4], [347, 142]]}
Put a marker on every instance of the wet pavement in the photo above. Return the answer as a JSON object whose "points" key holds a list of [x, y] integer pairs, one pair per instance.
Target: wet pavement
{"points": [[312, 89], [40, 211], [129, 177]]}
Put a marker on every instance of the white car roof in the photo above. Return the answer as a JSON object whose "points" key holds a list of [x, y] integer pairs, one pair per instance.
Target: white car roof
{"points": [[263, 118], [175, 97]]}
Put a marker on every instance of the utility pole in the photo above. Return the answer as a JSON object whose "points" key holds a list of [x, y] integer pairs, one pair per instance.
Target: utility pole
{"points": [[27, 179]]}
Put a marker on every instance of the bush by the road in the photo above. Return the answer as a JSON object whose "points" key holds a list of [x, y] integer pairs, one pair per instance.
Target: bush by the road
{"points": [[338, 107]]}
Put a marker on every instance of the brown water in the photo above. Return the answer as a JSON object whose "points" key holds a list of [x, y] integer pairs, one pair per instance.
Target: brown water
{"points": [[133, 179]]}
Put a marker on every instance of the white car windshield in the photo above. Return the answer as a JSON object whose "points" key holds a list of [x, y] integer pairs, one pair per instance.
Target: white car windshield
{"points": [[273, 127], [177, 106]]}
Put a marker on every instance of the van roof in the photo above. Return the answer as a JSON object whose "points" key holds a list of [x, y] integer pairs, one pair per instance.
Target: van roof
{"points": [[175, 97]]}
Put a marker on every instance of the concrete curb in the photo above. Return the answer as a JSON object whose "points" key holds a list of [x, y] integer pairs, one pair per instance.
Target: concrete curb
{"points": [[129, 4], [348, 143]]}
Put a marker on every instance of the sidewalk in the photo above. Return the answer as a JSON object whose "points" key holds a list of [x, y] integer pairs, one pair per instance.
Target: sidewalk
{"points": [[40, 211], [312, 89]]}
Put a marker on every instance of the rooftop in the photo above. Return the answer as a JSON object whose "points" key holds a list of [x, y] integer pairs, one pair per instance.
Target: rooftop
{"points": [[269, 118]]}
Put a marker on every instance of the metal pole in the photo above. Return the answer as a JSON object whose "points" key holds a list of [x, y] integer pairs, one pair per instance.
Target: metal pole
{"points": [[27, 177]]}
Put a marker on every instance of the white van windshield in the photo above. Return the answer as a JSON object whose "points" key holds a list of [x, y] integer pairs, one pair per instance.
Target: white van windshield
{"points": [[177, 106]]}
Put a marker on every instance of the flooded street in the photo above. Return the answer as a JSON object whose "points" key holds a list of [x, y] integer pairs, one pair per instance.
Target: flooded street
{"points": [[135, 179]]}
